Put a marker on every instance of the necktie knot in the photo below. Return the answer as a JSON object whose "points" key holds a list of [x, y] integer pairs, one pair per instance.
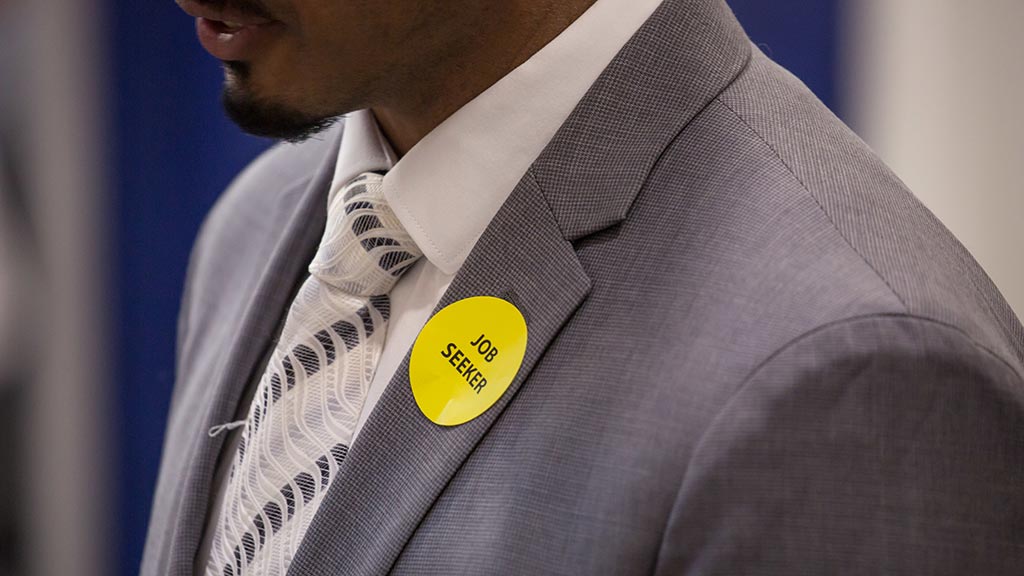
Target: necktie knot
{"points": [[365, 249]]}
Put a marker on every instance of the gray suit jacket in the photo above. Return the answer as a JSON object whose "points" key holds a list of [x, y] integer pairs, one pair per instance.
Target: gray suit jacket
{"points": [[752, 351]]}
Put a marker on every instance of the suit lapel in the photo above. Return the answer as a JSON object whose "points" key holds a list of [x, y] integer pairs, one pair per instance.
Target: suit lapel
{"points": [[264, 313], [402, 461]]}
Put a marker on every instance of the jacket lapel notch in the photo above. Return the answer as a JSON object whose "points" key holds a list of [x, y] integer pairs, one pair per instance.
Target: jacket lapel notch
{"points": [[683, 57]]}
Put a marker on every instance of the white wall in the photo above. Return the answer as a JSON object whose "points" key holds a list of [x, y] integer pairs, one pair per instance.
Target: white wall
{"points": [[68, 463], [938, 90]]}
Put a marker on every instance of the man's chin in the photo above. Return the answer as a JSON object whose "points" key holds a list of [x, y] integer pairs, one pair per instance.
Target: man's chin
{"points": [[269, 119]]}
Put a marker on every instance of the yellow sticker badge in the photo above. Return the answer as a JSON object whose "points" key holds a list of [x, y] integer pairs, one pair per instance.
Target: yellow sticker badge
{"points": [[465, 358]]}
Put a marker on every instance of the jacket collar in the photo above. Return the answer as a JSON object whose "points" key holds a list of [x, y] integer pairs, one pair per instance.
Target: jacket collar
{"points": [[677, 63], [488, 144]]}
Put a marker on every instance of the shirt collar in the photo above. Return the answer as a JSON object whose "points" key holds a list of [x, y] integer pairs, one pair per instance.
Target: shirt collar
{"points": [[448, 187], [363, 149]]}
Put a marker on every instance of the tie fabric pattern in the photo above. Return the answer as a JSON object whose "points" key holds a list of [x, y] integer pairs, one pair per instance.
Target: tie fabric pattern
{"points": [[302, 417]]}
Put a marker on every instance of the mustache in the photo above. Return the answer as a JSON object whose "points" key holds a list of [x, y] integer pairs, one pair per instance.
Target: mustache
{"points": [[254, 8]]}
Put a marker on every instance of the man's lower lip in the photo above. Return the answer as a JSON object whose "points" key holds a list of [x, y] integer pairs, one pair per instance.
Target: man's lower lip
{"points": [[236, 44]]}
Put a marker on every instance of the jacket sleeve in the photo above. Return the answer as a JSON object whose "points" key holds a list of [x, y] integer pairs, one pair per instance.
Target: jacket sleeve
{"points": [[881, 445]]}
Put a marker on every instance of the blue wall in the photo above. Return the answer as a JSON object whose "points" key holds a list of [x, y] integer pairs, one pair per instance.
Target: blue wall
{"points": [[801, 35], [174, 153]]}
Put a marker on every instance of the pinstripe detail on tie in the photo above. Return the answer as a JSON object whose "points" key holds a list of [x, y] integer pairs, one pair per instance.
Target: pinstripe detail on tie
{"points": [[302, 418]]}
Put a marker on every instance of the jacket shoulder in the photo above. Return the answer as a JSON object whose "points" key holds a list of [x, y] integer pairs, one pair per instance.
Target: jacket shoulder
{"points": [[871, 209]]}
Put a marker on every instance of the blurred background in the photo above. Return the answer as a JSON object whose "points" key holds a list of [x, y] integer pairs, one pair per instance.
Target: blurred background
{"points": [[113, 147]]}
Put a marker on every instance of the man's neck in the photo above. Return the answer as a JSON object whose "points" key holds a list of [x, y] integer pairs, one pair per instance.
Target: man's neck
{"points": [[412, 113]]}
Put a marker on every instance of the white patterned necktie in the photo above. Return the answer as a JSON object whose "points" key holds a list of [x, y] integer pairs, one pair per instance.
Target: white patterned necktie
{"points": [[304, 412]]}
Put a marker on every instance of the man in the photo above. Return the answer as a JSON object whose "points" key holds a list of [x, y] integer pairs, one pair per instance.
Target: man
{"points": [[732, 342]]}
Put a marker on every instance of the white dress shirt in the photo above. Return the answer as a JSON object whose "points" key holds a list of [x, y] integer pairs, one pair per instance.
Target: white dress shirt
{"points": [[450, 185], [447, 189]]}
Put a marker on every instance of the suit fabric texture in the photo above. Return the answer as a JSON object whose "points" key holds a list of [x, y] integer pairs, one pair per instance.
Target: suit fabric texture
{"points": [[752, 351]]}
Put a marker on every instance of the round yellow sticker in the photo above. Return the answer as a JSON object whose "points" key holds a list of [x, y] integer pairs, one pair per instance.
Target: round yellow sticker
{"points": [[465, 358]]}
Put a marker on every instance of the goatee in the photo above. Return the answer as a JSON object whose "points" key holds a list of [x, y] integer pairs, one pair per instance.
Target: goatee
{"points": [[264, 118]]}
